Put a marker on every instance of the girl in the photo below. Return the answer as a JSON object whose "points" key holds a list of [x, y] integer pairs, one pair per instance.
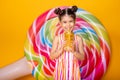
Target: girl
{"points": [[67, 57]]}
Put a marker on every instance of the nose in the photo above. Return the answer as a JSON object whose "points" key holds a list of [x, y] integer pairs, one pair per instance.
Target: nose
{"points": [[68, 24]]}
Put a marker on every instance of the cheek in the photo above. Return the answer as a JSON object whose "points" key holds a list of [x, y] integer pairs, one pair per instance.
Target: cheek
{"points": [[72, 24], [63, 25]]}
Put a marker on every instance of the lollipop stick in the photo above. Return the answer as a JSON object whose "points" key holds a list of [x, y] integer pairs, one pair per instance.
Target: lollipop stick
{"points": [[15, 70]]}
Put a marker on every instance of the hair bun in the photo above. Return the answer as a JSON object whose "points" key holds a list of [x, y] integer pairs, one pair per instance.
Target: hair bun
{"points": [[57, 11], [74, 8]]}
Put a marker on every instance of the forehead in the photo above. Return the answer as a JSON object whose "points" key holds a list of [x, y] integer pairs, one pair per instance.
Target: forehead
{"points": [[66, 18]]}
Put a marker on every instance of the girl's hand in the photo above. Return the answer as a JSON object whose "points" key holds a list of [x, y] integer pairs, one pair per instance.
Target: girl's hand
{"points": [[71, 49]]}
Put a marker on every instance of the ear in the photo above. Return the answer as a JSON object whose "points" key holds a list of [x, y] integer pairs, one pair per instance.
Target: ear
{"points": [[59, 23]]}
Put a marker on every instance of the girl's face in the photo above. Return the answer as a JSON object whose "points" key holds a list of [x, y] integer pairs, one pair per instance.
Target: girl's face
{"points": [[67, 22]]}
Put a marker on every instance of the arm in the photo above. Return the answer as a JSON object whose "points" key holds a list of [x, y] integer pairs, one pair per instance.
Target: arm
{"points": [[55, 53], [80, 54], [15, 70]]}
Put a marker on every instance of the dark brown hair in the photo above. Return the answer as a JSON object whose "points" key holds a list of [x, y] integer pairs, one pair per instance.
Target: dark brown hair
{"points": [[69, 11]]}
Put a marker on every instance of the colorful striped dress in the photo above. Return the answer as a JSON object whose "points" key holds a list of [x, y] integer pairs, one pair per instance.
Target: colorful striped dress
{"points": [[67, 67]]}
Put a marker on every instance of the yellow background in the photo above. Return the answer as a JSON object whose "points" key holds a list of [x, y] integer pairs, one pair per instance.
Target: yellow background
{"points": [[17, 15]]}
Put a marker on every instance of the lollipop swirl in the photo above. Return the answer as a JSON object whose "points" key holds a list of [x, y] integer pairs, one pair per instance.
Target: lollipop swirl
{"points": [[96, 44]]}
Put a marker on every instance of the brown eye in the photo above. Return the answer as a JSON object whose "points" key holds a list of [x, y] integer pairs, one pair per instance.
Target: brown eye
{"points": [[64, 22], [71, 21]]}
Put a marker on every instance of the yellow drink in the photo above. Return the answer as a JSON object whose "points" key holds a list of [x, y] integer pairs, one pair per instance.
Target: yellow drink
{"points": [[69, 37]]}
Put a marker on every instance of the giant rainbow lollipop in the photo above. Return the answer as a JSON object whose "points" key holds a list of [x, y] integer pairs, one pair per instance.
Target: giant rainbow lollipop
{"points": [[96, 43]]}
